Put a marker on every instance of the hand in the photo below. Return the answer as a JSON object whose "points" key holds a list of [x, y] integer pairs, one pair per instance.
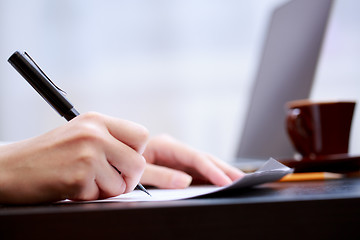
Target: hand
{"points": [[171, 164], [75, 161]]}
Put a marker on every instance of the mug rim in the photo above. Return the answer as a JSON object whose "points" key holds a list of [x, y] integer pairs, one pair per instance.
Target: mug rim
{"points": [[309, 102]]}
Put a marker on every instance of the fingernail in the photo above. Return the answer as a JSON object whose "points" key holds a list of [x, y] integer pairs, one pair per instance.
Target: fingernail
{"points": [[181, 180]]}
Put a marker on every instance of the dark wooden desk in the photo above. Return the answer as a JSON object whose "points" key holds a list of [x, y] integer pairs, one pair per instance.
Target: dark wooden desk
{"points": [[307, 210]]}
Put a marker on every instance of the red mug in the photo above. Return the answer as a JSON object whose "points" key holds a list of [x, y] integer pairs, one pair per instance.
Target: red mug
{"points": [[319, 128]]}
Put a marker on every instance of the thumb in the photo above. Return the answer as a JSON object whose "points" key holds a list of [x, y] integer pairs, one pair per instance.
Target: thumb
{"points": [[163, 177]]}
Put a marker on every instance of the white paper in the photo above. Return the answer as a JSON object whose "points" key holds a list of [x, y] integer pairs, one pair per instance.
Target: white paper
{"points": [[271, 171]]}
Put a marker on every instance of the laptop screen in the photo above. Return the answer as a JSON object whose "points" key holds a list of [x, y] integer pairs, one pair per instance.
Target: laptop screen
{"points": [[286, 72]]}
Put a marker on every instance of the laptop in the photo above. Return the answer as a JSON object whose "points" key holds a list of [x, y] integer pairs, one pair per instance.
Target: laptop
{"points": [[286, 72]]}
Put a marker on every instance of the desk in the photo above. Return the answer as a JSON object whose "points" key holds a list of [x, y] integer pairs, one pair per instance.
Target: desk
{"points": [[302, 210]]}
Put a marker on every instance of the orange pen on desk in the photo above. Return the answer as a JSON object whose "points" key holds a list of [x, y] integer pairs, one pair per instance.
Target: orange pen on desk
{"points": [[311, 176]]}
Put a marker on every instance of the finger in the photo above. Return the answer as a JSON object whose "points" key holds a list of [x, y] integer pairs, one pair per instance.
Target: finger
{"points": [[126, 160], [209, 170], [130, 133], [178, 155], [109, 180], [232, 172], [163, 177], [89, 191]]}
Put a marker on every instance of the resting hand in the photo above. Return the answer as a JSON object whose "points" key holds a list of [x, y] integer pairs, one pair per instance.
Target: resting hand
{"points": [[171, 164], [75, 161]]}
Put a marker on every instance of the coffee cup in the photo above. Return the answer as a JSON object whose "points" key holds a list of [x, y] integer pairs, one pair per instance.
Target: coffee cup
{"points": [[319, 128]]}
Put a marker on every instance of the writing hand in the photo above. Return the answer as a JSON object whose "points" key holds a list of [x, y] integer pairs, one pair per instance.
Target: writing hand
{"points": [[75, 161]]}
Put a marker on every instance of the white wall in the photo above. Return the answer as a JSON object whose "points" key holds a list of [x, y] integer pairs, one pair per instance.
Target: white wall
{"points": [[182, 67]]}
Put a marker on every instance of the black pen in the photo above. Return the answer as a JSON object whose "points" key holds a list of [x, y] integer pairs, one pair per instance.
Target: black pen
{"points": [[51, 93]]}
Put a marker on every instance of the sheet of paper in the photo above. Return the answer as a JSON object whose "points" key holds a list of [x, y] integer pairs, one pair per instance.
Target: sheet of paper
{"points": [[271, 171]]}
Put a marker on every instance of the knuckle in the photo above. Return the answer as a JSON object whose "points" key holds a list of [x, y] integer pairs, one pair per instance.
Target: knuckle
{"points": [[90, 116], [142, 163], [87, 134], [138, 164], [142, 133], [164, 137]]}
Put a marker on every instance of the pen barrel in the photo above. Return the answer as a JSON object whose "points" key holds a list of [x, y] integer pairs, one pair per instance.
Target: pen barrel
{"points": [[71, 114], [40, 83]]}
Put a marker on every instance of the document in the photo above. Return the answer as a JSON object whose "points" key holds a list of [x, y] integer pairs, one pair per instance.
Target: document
{"points": [[271, 171]]}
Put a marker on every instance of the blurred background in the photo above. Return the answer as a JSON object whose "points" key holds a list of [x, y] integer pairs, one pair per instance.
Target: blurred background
{"points": [[182, 67]]}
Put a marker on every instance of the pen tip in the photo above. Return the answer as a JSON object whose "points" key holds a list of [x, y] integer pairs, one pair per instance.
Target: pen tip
{"points": [[141, 187]]}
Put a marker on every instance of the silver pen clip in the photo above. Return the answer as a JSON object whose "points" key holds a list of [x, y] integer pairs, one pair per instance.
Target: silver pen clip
{"points": [[62, 91]]}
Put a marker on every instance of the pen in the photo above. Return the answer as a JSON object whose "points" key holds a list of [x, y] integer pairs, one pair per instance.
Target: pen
{"points": [[51, 93]]}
